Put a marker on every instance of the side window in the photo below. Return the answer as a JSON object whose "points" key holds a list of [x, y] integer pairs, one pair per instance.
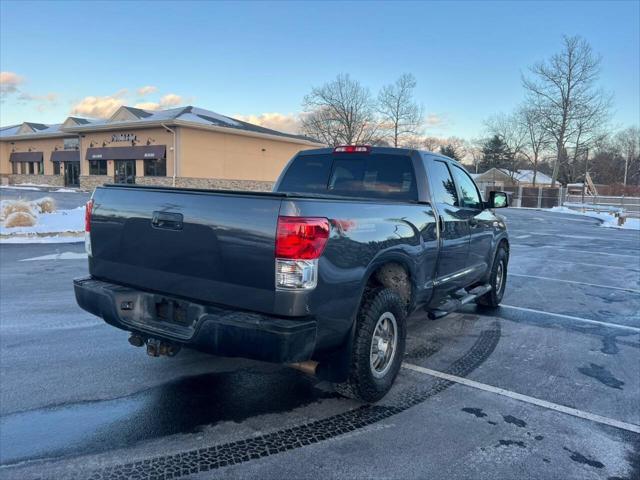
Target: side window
{"points": [[444, 190], [468, 190]]}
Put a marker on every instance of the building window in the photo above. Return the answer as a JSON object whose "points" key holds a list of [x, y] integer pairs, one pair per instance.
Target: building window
{"points": [[56, 168], [40, 168], [14, 168], [155, 168], [23, 168], [71, 143], [32, 170], [97, 167]]}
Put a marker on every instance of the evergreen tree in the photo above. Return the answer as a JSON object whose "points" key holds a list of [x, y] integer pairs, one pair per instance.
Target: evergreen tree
{"points": [[495, 153], [450, 151]]}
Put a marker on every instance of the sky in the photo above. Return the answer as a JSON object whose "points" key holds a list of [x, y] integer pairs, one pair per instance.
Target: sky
{"points": [[258, 60]]}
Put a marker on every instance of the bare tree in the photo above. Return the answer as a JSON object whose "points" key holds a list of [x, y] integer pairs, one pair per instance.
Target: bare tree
{"points": [[537, 137], [511, 131], [340, 112], [562, 90], [432, 144], [474, 152], [588, 130], [401, 115], [628, 142]]}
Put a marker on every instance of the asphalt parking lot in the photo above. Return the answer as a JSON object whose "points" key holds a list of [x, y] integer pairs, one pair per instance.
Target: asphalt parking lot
{"points": [[545, 387]]}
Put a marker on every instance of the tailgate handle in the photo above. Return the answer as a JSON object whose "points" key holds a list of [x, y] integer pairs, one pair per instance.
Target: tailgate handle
{"points": [[169, 221]]}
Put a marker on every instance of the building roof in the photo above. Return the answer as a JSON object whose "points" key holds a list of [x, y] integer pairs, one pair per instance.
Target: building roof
{"points": [[520, 176], [30, 130], [526, 176], [131, 117]]}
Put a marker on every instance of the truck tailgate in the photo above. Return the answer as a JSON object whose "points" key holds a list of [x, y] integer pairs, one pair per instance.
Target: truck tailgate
{"points": [[209, 246]]}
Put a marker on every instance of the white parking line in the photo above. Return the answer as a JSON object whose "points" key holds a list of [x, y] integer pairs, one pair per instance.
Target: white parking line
{"points": [[575, 282], [523, 236], [589, 251], [578, 319], [526, 399], [555, 260]]}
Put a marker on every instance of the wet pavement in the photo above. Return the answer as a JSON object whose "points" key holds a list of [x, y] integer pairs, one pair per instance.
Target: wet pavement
{"points": [[77, 401]]}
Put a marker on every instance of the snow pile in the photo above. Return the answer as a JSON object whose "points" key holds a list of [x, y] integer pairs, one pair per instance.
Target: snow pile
{"points": [[38, 221], [608, 219]]}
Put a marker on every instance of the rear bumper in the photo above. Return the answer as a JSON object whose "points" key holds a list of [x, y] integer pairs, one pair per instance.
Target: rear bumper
{"points": [[211, 329]]}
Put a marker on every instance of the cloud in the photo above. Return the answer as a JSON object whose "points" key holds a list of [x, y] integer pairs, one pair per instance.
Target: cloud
{"points": [[167, 101], [43, 101], [171, 100], [9, 82], [148, 105], [436, 120], [146, 90], [283, 122], [27, 97], [99, 107]]}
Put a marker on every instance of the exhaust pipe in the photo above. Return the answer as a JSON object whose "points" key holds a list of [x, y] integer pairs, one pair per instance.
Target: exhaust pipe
{"points": [[136, 340], [309, 367]]}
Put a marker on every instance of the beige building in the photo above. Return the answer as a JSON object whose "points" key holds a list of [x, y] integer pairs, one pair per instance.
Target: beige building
{"points": [[185, 147]]}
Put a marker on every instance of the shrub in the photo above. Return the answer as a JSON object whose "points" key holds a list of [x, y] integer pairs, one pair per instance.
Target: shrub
{"points": [[20, 219], [14, 206], [45, 204]]}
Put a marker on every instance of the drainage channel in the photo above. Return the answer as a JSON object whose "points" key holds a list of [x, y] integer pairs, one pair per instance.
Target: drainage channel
{"points": [[217, 456]]}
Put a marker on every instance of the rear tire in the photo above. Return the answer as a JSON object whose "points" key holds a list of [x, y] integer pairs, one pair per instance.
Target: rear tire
{"points": [[497, 280], [378, 346]]}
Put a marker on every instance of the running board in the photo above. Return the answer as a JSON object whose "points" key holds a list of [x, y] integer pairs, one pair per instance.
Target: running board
{"points": [[459, 298]]}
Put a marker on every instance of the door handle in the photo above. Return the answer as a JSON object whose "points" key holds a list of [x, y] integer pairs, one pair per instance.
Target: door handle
{"points": [[168, 221]]}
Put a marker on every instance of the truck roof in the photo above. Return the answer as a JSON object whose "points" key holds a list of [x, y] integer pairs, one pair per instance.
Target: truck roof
{"points": [[374, 149]]}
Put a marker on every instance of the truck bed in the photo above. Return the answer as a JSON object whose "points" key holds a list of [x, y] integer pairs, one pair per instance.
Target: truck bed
{"points": [[214, 247]]}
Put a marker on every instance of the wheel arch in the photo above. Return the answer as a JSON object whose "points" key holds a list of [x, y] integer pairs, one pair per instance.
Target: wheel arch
{"points": [[395, 273]]}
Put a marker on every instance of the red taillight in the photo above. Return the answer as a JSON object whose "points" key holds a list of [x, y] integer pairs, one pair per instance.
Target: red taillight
{"points": [[87, 216], [302, 238], [352, 149]]}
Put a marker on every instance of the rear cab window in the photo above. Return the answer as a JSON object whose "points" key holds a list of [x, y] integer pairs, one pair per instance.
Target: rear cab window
{"points": [[353, 175]]}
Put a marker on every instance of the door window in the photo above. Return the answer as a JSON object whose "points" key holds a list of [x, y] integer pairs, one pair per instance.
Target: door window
{"points": [[444, 190], [125, 171], [468, 190]]}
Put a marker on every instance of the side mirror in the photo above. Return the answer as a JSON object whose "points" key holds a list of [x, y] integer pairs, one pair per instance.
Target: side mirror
{"points": [[498, 200]]}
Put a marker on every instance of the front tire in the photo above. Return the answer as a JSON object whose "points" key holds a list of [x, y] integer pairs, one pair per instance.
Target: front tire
{"points": [[378, 346], [497, 280]]}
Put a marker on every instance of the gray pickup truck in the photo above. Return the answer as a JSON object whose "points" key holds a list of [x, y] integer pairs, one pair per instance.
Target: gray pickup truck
{"points": [[319, 274]]}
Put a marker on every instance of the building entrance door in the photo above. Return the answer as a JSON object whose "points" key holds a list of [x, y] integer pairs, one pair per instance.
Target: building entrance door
{"points": [[71, 174], [125, 171]]}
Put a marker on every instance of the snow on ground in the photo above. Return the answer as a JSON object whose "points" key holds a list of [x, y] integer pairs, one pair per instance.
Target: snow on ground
{"points": [[57, 227], [608, 220], [20, 187], [66, 190]]}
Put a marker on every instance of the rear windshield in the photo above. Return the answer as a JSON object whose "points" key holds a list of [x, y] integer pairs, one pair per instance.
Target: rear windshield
{"points": [[355, 175]]}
